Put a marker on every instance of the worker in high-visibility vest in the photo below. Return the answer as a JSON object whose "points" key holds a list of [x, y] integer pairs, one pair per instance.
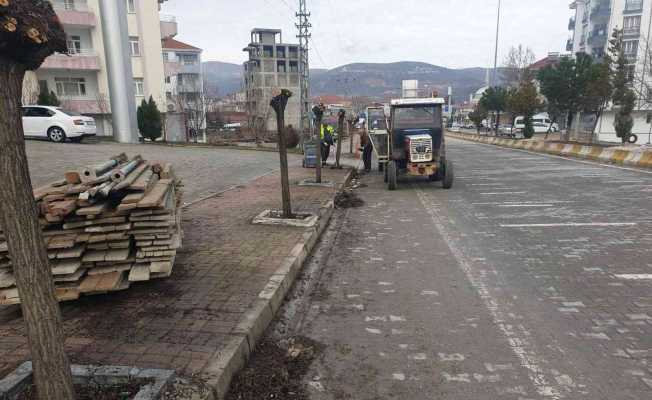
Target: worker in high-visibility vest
{"points": [[326, 139]]}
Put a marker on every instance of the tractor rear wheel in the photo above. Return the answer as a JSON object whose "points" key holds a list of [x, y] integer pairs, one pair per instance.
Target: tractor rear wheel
{"points": [[392, 175]]}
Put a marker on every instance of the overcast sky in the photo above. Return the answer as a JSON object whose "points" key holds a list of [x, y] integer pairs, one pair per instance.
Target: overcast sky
{"points": [[450, 33]]}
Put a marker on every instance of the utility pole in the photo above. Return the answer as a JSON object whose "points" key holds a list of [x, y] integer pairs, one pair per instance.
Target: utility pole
{"points": [[495, 73], [304, 36]]}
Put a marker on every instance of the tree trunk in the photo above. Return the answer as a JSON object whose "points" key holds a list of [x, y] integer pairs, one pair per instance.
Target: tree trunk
{"points": [[497, 121], [569, 126], [19, 220], [283, 155], [349, 128], [340, 134]]}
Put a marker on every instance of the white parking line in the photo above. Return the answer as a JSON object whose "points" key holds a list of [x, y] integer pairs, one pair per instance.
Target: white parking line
{"points": [[499, 193], [635, 277], [570, 224], [524, 205]]}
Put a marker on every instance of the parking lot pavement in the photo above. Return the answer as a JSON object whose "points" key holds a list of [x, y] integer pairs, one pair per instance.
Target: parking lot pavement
{"points": [[530, 279], [203, 170]]}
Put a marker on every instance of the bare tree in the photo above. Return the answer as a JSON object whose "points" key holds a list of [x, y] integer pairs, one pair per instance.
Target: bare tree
{"points": [[30, 31], [516, 64], [279, 103], [641, 75]]}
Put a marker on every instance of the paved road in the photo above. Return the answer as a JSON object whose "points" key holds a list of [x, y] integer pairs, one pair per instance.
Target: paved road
{"points": [[532, 279], [203, 170]]}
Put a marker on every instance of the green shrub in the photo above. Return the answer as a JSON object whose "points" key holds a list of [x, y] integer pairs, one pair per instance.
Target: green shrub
{"points": [[150, 122]]}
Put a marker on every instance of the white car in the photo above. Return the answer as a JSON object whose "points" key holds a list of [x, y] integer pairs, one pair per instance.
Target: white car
{"points": [[56, 124], [539, 124]]}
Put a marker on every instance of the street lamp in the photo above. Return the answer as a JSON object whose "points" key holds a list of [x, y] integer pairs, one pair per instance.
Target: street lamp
{"points": [[495, 74]]}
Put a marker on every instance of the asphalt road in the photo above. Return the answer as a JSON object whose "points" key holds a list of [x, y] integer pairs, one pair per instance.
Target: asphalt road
{"points": [[531, 279], [204, 170]]}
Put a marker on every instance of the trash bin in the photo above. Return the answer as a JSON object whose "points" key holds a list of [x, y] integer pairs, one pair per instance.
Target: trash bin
{"points": [[310, 154]]}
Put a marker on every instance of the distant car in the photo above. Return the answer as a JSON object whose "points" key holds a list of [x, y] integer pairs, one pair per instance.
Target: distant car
{"points": [[57, 124], [539, 124], [455, 127]]}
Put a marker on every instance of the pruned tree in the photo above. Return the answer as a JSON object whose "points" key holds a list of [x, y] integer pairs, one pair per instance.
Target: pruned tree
{"points": [[478, 115], [278, 104], [29, 32], [624, 98], [341, 116], [524, 101], [516, 66], [598, 89], [495, 99]]}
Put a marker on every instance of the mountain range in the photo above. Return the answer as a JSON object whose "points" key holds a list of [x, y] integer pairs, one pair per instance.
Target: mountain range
{"points": [[362, 79]]}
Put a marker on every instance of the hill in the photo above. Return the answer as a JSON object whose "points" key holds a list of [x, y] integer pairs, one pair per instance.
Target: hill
{"points": [[360, 79]]}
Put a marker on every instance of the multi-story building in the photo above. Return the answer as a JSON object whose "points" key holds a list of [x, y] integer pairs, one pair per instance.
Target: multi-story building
{"points": [[184, 89], [592, 27], [91, 76], [272, 65]]}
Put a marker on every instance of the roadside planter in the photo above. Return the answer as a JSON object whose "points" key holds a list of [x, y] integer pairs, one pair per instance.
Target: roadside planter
{"points": [[153, 381]]}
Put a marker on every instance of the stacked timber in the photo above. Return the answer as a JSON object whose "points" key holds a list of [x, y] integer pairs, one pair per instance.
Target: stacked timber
{"points": [[105, 227]]}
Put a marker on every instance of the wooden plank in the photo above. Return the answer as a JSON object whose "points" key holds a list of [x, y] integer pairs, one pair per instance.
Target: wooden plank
{"points": [[62, 242], [117, 254], [159, 267], [73, 252], [93, 210], [127, 207], [74, 277], [144, 181], [66, 293], [90, 282], [112, 268], [62, 208], [108, 281], [7, 295], [156, 196], [94, 256], [139, 273], [167, 172], [91, 222], [133, 198], [7, 279], [66, 267]]}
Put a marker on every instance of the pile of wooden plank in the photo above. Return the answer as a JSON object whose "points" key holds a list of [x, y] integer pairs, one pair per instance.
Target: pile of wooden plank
{"points": [[105, 227]]}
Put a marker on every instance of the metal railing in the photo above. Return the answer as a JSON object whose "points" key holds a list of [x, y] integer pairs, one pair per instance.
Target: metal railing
{"points": [[167, 18], [70, 5], [80, 52], [635, 30]]}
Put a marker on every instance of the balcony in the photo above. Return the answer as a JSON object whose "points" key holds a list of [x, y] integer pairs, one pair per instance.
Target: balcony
{"points": [[87, 106], [74, 13], [191, 69], [632, 31], [169, 26], [190, 87], [84, 60], [600, 13]]}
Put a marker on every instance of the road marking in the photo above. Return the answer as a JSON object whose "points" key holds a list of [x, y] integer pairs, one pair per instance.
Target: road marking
{"points": [[569, 224], [398, 377], [635, 277], [525, 205], [374, 331], [562, 158], [519, 339], [499, 193]]}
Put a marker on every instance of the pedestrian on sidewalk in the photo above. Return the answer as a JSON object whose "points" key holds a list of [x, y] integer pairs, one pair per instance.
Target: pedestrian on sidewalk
{"points": [[367, 149], [326, 136]]}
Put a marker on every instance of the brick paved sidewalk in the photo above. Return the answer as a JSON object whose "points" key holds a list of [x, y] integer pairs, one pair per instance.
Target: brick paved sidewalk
{"points": [[181, 322]]}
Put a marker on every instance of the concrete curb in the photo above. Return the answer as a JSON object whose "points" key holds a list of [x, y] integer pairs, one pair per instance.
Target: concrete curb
{"points": [[640, 158], [225, 363]]}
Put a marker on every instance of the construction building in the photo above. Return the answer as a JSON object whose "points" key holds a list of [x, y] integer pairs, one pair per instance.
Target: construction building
{"points": [[272, 66], [592, 27], [113, 62]]}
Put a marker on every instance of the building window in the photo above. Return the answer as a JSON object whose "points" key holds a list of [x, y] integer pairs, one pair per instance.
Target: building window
{"points": [[634, 5], [131, 6], [281, 67], [134, 43], [72, 87], [69, 4], [268, 51], [139, 87], [166, 56], [74, 44], [294, 52], [280, 52], [632, 25], [188, 59], [294, 66], [168, 79]]}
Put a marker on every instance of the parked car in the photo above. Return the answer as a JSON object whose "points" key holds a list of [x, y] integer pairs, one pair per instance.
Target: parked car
{"points": [[539, 123], [455, 127], [56, 124]]}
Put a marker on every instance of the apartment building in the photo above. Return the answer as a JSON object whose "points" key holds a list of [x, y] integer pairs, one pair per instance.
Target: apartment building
{"points": [[272, 65], [591, 29], [184, 89], [90, 77]]}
